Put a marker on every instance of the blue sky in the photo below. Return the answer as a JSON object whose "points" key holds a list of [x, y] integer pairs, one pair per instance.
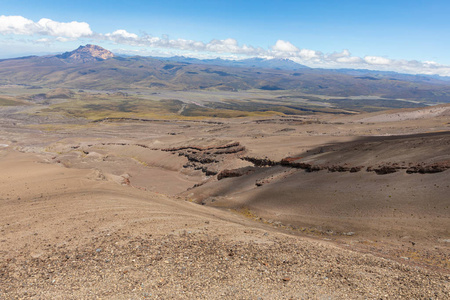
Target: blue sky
{"points": [[407, 36]]}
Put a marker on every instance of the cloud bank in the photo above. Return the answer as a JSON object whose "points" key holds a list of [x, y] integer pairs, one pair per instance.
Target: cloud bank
{"points": [[48, 31], [18, 25]]}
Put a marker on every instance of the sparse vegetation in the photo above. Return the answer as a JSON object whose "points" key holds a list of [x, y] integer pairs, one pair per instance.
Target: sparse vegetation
{"points": [[10, 102], [143, 73]]}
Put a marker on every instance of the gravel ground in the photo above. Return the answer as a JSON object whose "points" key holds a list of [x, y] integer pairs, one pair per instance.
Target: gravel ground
{"points": [[204, 265], [71, 234]]}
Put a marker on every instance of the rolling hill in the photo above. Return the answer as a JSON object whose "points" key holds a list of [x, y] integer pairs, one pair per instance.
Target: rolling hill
{"points": [[92, 67]]}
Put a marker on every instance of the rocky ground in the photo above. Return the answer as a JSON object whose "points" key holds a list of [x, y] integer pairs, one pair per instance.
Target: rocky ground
{"points": [[86, 238], [109, 209]]}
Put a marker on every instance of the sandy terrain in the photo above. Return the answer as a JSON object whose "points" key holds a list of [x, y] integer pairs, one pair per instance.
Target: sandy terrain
{"points": [[109, 209], [424, 113]]}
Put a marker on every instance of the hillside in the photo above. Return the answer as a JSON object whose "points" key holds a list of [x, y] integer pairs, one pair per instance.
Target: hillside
{"points": [[108, 209], [94, 68], [93, 238]]}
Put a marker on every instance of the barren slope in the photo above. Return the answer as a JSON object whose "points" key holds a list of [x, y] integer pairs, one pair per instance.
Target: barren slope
{"points": [[102, 209], [66, 233], [387, 189]]}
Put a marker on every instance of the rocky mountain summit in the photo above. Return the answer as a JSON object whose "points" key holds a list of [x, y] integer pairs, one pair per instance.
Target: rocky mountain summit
{"points": [[87, 53]]}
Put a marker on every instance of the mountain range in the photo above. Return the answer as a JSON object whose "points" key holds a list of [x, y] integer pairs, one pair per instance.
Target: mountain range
{"points": [[92, 67], [255, 62]]}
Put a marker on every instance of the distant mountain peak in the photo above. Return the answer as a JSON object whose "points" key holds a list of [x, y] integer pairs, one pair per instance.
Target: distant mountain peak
{"points": [[254, 62], [86, 54]]}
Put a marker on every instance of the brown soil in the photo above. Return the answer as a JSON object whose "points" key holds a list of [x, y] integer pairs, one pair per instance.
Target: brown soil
{"points": [[109, 209]]}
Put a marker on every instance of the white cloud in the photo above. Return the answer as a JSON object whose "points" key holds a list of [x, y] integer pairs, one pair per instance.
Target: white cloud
{"points": [[215, 46], [343, 57], [377, 60], [285, 49], [337, 55], [231, 46], [43, 40], [121, 33], [181, 44], [349, 60], [221, 46], [16, 25], [62, 39], [19, 25], [431, 63], [284, 46], [71, 30], [309, 54]]}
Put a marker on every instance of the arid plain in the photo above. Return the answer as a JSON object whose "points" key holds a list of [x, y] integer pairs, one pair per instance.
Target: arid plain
{"points": [[131, 195]]}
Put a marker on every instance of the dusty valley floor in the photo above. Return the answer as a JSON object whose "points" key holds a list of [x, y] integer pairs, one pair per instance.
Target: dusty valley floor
{"points": [[275, 207]]}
